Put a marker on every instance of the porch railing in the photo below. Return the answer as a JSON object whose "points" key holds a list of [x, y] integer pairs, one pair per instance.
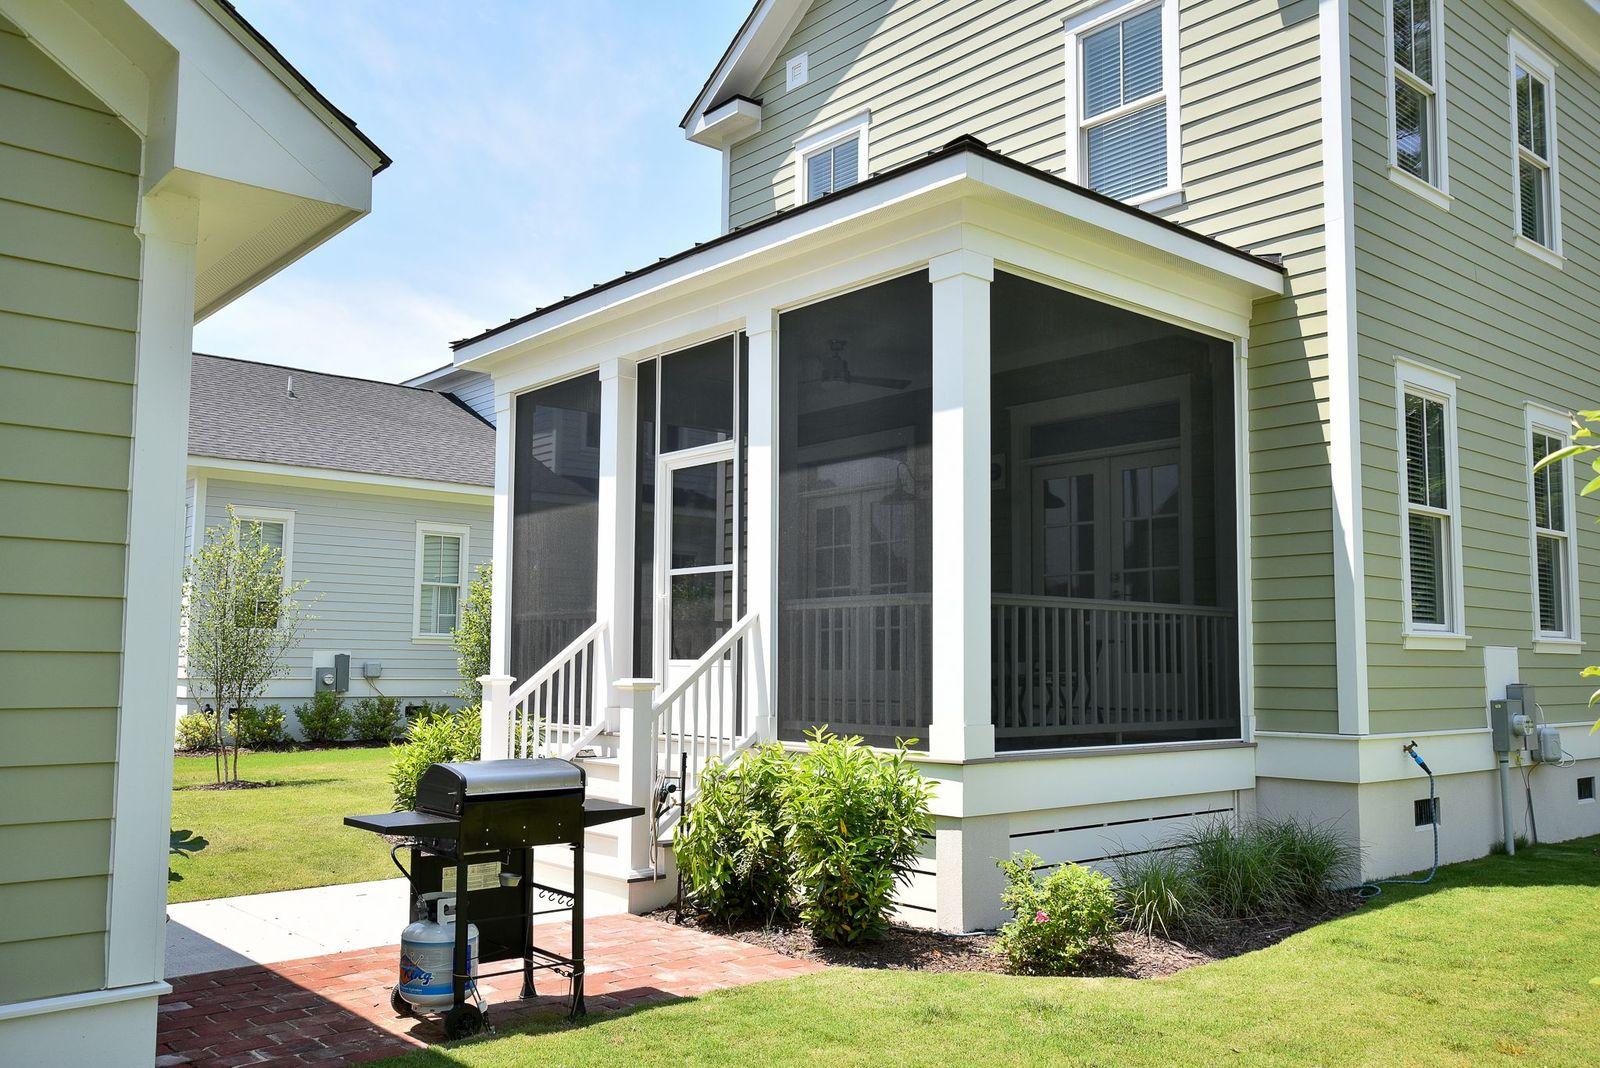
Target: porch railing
{"points": [[858, 664], [554, 713], [706, 717], [1071, 668]]}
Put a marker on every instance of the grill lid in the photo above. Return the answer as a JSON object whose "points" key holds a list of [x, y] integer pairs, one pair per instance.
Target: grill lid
{"points": [[445, 787]]}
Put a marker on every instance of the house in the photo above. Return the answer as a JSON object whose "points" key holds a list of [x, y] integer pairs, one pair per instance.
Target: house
{"points": [[1133, 402], [158, 158], [378, 495]]}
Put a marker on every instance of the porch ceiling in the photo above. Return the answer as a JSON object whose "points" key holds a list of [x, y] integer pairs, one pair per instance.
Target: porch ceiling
{"points": [[1032, 203]]}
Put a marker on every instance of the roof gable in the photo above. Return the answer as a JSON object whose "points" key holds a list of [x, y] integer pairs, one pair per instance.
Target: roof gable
{"points": [[754, 48]]}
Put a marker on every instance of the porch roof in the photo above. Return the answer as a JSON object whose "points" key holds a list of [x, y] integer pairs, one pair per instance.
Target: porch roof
{"points": [[965, 158]]}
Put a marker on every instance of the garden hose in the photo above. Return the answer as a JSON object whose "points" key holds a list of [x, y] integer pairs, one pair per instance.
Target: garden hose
{"points": [[1374, 888]]}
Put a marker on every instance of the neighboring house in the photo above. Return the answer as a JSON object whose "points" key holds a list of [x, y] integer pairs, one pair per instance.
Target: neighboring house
{"points": [[158, 158], [1149, 434], [378, 495]]}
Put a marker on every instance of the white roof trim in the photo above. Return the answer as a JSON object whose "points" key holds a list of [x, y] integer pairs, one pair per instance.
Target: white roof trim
{"points": [[958, 174], [350, 481], [749, 57]]}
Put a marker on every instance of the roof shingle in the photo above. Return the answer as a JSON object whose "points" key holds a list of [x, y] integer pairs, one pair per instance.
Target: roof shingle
{"points": [[240, 410]]}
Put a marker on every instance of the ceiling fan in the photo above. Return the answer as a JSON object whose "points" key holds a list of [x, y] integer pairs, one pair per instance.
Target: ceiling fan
{"points": [[834, 369]]}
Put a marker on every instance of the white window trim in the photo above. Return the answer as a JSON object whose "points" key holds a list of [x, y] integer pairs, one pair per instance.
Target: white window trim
{"points": [[425, 528], [809, 144], [1437, 192], [1079, 26], [1520, 53], [1558, 424], [1413, 377], [274, 515]]}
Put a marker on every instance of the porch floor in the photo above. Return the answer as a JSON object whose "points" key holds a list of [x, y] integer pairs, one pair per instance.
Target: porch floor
{"points": [[335, 1009]]}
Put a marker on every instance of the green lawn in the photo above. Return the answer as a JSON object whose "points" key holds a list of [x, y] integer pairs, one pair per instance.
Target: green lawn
{"points": [[282, 837], [1495, 963]]}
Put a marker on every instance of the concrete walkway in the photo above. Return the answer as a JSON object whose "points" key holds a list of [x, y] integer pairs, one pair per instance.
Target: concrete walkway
{"points": [[232, 932]]}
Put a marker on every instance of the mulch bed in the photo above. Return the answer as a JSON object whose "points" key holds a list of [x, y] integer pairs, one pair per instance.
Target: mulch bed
{"points": [[241, 784], [1131, 957]]}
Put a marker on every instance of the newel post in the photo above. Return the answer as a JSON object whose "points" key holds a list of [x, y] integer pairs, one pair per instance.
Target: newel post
{"points": [[962, 726], [495, 721], [636, 770]]}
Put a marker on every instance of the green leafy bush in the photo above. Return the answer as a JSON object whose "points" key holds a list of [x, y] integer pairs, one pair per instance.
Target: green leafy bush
{"points": [[1057, 918], [375, 719], [447, 736], [733, 849], [259, 728], [1157, 894], [196, 731], [855, 818], [325, 719]]}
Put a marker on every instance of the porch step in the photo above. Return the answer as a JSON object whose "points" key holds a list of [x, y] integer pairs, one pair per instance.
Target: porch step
{"points": [[609, 888]]}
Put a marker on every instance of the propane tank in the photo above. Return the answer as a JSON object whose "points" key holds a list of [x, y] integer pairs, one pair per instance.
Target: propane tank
{"points": [[427, 953]]}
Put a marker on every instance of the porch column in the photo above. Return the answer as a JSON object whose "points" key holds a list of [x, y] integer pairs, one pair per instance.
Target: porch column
{"points": [[962, 728], [615, 567], [761, 542], [494, 722]]}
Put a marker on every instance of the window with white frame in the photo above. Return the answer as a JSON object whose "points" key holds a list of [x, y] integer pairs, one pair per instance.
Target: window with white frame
{"points": [[1554, 553], [1430, 510], [1416, 98], [833, 166], [441, 557], [1534, 154], [1124, 99], [271, 528]]}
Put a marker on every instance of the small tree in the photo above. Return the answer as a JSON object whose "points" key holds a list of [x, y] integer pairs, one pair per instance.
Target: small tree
{"points": [[241, 621], [1585, 444], [472, 634]]}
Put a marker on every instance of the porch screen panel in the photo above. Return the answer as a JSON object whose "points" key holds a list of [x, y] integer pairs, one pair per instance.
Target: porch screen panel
{"points": [[555, 512], [1114, 555], [644, 526], [855, 415]]}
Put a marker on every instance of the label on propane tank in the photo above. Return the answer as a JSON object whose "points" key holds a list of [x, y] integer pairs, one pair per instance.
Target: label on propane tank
{"points": [[425, 967]]}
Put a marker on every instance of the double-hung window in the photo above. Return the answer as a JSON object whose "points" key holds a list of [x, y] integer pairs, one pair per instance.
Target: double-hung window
{"points": [[1416, 90], [1430, 527], [1124, 100], [1534, 153], [270, 528], [1554, 554], [441, 563]]}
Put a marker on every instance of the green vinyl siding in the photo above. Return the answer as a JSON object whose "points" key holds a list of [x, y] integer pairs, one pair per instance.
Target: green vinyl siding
{"points": [[69, 270], [1449, 289], [932, 70]]}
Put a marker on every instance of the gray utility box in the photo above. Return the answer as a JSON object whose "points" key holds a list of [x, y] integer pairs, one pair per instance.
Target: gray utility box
{"points": [[336, 677]]}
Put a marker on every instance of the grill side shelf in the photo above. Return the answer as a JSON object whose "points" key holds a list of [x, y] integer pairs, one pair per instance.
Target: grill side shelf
{"points": [[406, 824]]}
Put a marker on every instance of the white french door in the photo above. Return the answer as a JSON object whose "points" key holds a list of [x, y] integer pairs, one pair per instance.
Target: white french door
{"points": [[696, 554]]}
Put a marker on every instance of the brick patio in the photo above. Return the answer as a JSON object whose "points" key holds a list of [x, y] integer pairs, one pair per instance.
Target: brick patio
{"points": [[335, 1009]]}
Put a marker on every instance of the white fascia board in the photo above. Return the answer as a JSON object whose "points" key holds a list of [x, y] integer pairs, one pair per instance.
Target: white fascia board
{"points": [[327, 478], [751, 55], [961, 175], [1574, 23]]}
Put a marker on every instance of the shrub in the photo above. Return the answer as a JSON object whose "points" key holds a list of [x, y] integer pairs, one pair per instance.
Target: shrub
{"points": [[375, 719], [196, 731], [325, 719], [1057, 918], [855, 818], [733, 849], [259, 728], [431, 740], [1157, 894], [1312, 857]]}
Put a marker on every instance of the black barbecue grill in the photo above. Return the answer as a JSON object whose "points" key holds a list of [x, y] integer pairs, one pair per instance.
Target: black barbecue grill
{"points": [[483, 818]]}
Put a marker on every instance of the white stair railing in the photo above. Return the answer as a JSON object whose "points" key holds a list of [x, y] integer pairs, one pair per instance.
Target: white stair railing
{"points": [[709, 716], [556, 712]]}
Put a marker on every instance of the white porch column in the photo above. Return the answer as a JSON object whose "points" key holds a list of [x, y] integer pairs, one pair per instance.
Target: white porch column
{"points": [[761, 542], [505, 438], [962, 728], [615, 567]]}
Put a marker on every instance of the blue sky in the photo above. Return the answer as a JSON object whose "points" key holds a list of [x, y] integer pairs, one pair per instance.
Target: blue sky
{"points": [[536, 150]]}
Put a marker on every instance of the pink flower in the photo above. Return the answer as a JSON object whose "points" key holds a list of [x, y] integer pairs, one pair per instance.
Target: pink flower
{"points": [[1041, 917]]}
